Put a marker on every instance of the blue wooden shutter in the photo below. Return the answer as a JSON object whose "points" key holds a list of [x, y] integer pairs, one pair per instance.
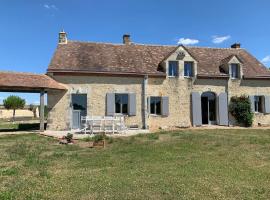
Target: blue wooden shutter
{"points": [[267, 104], [165, 106], [132, 104], [251, 99], [196, 109], [223, 109], [110, 104]]}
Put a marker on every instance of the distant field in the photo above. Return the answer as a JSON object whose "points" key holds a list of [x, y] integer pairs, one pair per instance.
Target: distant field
{"points": [[199, 164]]}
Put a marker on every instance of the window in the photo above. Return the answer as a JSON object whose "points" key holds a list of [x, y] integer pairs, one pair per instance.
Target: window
{"points": [[173, 69], [188, 69], [258, 104], [234, 71], [155, 105], [121, 103]]}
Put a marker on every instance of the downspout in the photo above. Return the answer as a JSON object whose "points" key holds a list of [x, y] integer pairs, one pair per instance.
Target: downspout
{"points": [[144, 102]]}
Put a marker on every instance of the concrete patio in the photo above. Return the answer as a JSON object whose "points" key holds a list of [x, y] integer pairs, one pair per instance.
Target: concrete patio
{"points": [[77, 135]]}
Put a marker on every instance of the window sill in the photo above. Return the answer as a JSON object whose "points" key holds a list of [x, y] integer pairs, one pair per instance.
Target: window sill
{"points": [[235, 79], [188, 77], [172, 76], [155, 115]]}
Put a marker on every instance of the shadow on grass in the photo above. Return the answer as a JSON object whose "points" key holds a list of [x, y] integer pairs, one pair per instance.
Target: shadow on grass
{"points": [[20, 127]]}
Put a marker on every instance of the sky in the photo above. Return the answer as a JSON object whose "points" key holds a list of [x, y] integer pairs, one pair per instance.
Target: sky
{"points": [[29, 28]]}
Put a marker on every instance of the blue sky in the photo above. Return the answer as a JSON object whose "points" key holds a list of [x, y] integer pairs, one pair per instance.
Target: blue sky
{"points": [[29, 28]]}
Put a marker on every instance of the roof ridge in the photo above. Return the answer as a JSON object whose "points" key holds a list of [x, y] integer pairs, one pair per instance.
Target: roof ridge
{"points": [[16, 72], [158, 45], [201, 47], [121, 44]]}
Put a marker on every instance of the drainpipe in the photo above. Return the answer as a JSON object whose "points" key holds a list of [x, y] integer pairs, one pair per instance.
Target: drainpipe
{"points": [[144, 102]]}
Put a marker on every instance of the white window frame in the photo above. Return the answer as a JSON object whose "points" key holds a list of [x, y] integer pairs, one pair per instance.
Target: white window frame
{"points": [[155, 112], [257, 104], [192, 69], [177, 69], [238, 70], [121, 104]]}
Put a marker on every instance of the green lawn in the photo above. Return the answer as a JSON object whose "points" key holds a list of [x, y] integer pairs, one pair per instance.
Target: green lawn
{"points": [[201, 164]]}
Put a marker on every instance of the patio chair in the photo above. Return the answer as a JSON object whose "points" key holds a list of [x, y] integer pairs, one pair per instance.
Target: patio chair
{"points": [[109, 124], [84, 124], [96, 124], [120, 123]]}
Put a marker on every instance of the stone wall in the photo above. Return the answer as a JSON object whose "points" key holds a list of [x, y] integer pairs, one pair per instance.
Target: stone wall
{"points": [[96, 88], [178, 90]]}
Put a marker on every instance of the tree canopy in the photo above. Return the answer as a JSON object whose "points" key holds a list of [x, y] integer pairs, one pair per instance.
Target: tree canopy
{"points": [[13, 102]]}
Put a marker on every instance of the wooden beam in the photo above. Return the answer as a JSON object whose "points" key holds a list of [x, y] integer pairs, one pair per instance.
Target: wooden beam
{"points": [[41, 110]]}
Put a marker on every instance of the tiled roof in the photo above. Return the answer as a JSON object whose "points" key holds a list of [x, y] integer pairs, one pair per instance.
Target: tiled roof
{"points": [[210, 59], [143, 59], [27, 82]]}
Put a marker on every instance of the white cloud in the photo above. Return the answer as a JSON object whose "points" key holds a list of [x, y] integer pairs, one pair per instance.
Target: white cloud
{"points": [[47, 6], [187, 41], [266, 59], [219, 39]]}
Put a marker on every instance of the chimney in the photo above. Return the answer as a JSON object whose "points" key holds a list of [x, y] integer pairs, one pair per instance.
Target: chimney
{"points": [[236, 46], [62, 39], [126, 39]]}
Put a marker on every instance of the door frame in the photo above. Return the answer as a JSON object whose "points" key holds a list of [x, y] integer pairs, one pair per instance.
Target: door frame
{"points": [[206, 95]]}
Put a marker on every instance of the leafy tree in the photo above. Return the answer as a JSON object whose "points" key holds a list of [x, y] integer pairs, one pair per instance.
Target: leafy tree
{"points": [[14, 103], [240, 108]]}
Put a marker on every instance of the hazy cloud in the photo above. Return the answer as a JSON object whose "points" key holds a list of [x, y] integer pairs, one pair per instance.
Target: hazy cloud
{"points": [[187, 41], [47, 6], [219, 39], [266, 59]]}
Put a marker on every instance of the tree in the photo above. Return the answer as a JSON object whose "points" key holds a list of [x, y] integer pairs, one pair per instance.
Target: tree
{"points": [[14, 103], [33, 108]]}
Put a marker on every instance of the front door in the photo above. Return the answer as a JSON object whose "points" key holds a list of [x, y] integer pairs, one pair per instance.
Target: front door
{"points": [[204, 110], [208, 103], [79, 109]]}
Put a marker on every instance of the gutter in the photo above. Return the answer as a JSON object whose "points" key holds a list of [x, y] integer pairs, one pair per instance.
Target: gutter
{"points": [[205, 76], [144, 102], [126, 74]]}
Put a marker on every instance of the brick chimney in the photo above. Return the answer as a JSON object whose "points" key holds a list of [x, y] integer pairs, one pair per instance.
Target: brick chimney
{"points": [[236, 46], [126, 39], [62, 39]]}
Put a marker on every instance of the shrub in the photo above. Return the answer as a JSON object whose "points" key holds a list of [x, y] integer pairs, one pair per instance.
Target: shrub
{"points": [[69, 137], [98, 138], [240, 109]]}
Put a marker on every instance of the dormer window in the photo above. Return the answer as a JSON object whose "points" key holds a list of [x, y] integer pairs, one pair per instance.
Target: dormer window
{"points": [[235, 71], [188, 69], [173, 69]]}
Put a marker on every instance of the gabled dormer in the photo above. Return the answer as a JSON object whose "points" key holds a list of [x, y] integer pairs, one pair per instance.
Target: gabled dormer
{"points": [[233, 66], [179, 64]]}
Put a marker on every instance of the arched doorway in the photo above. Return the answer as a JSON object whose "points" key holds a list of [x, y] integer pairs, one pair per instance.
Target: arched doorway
{"points": [[208, 103]]}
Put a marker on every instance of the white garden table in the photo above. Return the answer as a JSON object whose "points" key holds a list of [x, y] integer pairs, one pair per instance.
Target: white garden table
{"points": [[106, 123]]}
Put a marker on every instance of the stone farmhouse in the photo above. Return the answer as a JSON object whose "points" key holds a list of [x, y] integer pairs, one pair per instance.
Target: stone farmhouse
{"points": [[154, 85]]}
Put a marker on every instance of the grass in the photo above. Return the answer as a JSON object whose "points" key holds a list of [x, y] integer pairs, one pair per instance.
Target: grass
{"points": [[198, 164], [9, 127]]}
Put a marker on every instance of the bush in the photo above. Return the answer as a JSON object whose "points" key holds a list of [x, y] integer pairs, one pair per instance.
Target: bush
{"points": [[69, 137], [240, 109], [98, 138]]}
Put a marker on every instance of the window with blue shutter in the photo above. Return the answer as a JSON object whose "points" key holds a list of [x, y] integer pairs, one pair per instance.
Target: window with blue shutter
{"points": [[121, 103], [188, 69], [173, 69]]}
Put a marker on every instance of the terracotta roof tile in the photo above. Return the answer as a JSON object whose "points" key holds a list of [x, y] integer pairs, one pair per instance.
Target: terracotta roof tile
{"points": [[27, 81], [143, 59]]}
